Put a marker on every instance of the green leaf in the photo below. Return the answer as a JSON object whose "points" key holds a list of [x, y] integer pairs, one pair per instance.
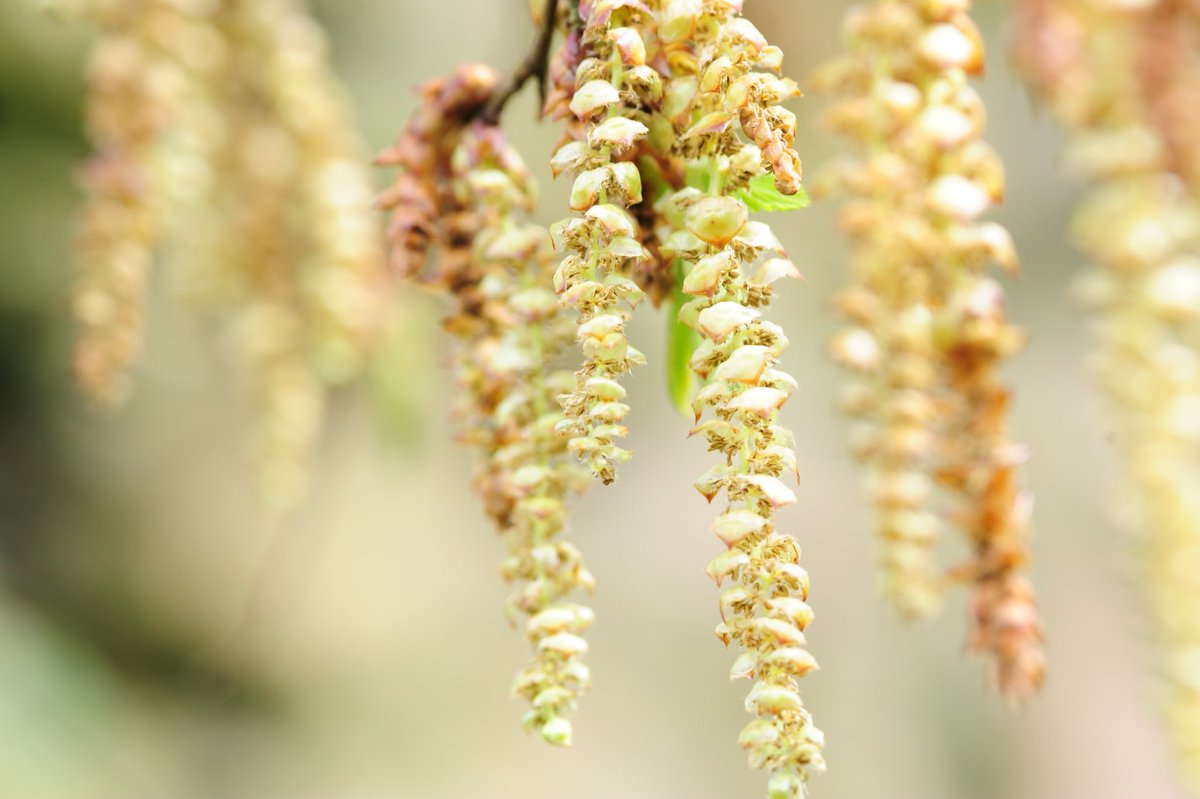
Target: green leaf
{"points": [[681, 343], [761, 195]]}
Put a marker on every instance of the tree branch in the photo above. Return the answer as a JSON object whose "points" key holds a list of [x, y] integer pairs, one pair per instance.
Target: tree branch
{"points": [[535, 65]]}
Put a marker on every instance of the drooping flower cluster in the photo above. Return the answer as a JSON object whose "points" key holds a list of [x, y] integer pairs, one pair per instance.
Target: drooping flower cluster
{"points": [[517, 330], [929, 326], [722, 100], [614, 90], [765, 607], [460, 224], [1117, 75], [223, 141]]}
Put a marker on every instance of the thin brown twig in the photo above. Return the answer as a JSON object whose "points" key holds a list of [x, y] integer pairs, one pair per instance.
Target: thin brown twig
{"points": [[534, 65]]}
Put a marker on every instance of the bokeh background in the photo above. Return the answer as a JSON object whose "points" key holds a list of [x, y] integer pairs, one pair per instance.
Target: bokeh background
{"points": [[162, 637]]}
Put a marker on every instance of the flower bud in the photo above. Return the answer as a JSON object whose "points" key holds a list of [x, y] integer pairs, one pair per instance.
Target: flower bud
{"points": [[948, 46], [718, 321], [745, 365], [771, 489], [733, 526], [593, 97], [620, 133], [772, 699], [557, 731], [716, 220], [759, 400], [630, 45]]}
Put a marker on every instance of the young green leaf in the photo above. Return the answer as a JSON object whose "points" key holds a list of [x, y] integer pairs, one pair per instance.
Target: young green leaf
{"points": [[761, 195]]}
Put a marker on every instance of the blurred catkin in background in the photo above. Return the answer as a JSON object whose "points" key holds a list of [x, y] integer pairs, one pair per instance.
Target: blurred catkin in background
{"points": [[930, 328], [222, 144], [1125, 82]]}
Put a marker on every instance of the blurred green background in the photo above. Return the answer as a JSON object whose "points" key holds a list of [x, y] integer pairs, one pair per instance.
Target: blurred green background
{"points": [[162, 637]]}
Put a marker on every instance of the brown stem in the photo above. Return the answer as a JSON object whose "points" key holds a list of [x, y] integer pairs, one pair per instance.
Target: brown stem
{"points": [[534, 65]]}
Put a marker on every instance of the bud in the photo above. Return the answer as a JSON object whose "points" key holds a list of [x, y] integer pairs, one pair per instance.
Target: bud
{"points": [[718, 321], [705, 276], [745, 365], [557, 731], [733, 526], [785, 785], [620, 133], [771, 489], [743, 667], [716, 220], [759, 400], [948, 46], [772, 699], [593, 97], [958, 197]]}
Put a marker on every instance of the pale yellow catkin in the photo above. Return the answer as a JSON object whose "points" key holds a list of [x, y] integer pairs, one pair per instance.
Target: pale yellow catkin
{"points": [[223, 144], [304, 261], [723, 101], [601, 243], [930, 329], [514, 331]]}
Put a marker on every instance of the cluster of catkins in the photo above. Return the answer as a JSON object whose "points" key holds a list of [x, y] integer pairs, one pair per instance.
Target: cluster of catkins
{"points": [[672, 121], [1124, 79], [223, 114], [673, 113], [929, 329], [222, 142]]}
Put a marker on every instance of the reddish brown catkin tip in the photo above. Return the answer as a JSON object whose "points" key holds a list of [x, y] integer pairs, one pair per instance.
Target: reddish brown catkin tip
{"points": [[419, 198]]}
